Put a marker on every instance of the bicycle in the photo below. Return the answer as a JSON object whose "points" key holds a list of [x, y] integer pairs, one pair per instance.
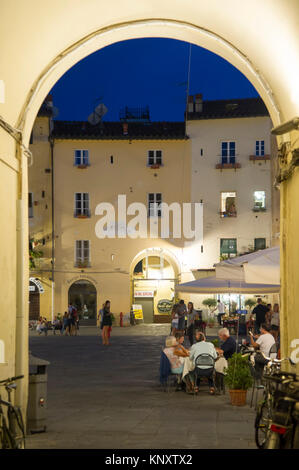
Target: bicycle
{"points": [[265, 411], [12, 428], [284, 429]]}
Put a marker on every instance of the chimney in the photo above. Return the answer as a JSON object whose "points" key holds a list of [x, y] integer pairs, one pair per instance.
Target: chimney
{"points": [[190, 108], [198, 103], [125, 128]]}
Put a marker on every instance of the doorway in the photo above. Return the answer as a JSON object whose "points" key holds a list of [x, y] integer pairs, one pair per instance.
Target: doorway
{"points": [[83, 295]]}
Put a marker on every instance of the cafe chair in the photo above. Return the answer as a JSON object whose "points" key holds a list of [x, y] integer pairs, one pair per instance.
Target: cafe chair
{"points": [[206, 360]]}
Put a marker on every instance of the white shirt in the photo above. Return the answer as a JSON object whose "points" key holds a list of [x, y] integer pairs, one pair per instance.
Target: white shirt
{"points": [[221, 308], [202, 348], [265, 341], [275, 319]]}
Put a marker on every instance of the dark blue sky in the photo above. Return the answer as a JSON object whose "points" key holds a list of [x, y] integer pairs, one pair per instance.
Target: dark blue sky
{"points": [[144, 72]]}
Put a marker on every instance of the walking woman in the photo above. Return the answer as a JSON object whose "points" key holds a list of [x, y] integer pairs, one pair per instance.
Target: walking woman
{"points": [[106, 323]]}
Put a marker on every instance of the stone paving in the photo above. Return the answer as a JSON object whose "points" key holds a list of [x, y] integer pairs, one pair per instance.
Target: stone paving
{"points": [[109, 397]]}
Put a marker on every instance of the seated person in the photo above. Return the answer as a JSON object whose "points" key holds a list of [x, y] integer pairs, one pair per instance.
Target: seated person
{"points": [[229, 346], [176, 361], [42, 326], [203, 347], [180, 350], [264, 341]]}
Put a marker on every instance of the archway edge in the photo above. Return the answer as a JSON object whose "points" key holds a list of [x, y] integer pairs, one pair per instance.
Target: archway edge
{"points": [[157, 251], [166, 28]]}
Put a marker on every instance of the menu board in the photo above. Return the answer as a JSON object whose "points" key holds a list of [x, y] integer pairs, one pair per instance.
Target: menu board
{"points": [[137, 310]]}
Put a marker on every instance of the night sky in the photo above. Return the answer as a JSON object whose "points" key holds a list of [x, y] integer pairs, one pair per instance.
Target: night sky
{"points": [[144, 72]]}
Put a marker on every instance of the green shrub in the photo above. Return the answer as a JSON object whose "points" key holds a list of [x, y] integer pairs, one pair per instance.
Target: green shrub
{"points": [[215, 342], [210, 302], [238, 375]]}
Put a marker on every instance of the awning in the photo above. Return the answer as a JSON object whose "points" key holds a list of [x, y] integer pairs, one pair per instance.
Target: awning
{"points": [[212, 285], [259, 267]]}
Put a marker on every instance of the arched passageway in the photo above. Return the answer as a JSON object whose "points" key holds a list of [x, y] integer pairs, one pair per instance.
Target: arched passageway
{"points": [[244, 33], [83, 296]]}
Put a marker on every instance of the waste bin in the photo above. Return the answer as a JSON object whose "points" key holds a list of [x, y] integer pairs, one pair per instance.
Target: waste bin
{"points": [[37, 397]]}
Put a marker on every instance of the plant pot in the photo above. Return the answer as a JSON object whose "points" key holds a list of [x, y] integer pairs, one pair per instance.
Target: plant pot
{"points": [[238, 397]]}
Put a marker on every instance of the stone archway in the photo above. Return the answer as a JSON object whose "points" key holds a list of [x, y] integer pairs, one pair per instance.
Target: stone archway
{"points": [[82, 294], [244, 33]]}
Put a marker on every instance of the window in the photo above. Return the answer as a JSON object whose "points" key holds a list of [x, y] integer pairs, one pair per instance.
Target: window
{"points": [[228, 152], [154, 201], [228, 205], [228, 246], [154, 157], [259, 201], [82, 255], [259, 244], [30, 205], [259, 148], [81, 157], [82, 205]]}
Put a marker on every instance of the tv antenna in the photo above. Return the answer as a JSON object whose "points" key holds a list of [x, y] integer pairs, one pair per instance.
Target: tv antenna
{"points": [[96, 116]]}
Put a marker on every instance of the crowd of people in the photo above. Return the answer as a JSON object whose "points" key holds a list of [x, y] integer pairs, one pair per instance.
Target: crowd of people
{"points": [[68, 325], [187, 363]]}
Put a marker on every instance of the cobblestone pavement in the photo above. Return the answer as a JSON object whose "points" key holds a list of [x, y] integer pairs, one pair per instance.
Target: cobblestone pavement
{"points": [[109, 397]]}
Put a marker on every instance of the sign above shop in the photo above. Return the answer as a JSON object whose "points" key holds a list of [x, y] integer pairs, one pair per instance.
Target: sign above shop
{"points": [[144, 293], [37, 284]]}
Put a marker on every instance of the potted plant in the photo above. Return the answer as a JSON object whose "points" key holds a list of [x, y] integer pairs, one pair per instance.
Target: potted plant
{"points": [[215, 341], [238, 378], [210, 302], [250, 303]]}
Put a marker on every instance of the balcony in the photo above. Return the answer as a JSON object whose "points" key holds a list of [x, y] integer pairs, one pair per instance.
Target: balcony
{"points": [[228, 214], [82, 264], [259, 209], [154, 166], [260, 158], [227, 166], [82, 214], [82, 166]]}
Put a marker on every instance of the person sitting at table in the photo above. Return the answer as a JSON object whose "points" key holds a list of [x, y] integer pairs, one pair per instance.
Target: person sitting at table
{"points": [[203, 347], [176, 361], [264, 341], [229, 345], [179, 350]]}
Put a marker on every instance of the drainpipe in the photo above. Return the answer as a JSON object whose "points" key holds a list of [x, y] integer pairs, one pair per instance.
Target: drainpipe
{"points": [[51, 140], [21, 334]]}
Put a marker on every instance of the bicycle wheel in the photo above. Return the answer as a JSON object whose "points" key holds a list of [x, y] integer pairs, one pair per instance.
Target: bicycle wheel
{"points": [[262, 425], [16, 427], [273, 441], [6, 439]]}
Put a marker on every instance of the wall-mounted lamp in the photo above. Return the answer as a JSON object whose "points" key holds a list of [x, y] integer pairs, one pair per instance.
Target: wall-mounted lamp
{"points": [[286, 127]]}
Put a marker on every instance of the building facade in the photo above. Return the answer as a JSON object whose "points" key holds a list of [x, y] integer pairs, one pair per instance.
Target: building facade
{"points": [[219, 157]]}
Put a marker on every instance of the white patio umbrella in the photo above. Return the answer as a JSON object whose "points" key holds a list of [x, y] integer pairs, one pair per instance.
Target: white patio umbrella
{"points": [[212, 285], [260, 267]]}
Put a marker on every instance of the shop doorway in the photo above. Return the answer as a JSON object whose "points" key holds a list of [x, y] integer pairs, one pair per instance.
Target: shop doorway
{"points": [[154, 278], [83, 295]]}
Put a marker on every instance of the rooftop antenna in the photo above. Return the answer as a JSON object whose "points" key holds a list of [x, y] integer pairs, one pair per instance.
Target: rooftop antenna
{"points": [[96, 116]]}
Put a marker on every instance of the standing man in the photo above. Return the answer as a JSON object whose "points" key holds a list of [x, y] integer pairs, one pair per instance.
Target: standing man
{"points": [[221, 311], [259, 311]]}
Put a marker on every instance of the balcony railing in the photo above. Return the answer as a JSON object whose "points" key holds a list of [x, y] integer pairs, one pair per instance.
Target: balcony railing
{"points": [[82, 165], [259, 157], [259, 209], [82, 214], [228, 214], [82, 264], [225, 166]]}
